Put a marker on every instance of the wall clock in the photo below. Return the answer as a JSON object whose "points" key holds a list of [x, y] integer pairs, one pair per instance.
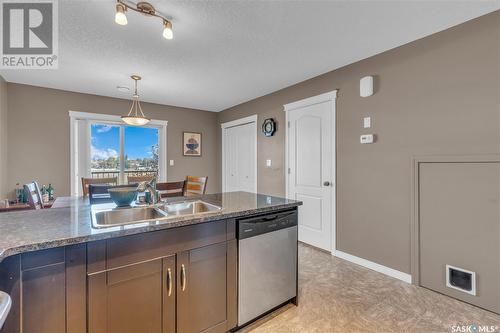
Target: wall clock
{"points": [[269, 127]]}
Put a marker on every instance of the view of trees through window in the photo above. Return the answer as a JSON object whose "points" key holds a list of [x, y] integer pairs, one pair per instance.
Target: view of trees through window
{"points": [[140, 150]]}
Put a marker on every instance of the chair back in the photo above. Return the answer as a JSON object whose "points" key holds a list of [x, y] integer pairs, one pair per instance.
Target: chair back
{"points": [[171, 189], [195, 185], [87, 181], [34, 195], [139, 179]]}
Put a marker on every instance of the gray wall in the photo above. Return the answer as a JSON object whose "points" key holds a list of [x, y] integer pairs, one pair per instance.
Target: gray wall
{"points": [[438, 95], [3, 139], [38, 135]]}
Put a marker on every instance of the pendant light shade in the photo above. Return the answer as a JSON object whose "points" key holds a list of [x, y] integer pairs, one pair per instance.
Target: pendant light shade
{"points": [[135, 116], [135, 121]]}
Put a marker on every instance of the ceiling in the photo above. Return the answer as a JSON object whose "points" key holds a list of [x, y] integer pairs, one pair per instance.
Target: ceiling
{"points": [[228, 52]]}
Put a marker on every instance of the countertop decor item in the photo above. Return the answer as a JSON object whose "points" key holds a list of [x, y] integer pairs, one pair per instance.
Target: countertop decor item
{"points": [[191, 144], [144, 8], [133, 117], [123, 196], [269, 127]]}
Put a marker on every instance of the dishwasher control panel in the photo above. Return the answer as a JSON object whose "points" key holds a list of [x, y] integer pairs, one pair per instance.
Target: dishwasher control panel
{"points": [[262, 224]]}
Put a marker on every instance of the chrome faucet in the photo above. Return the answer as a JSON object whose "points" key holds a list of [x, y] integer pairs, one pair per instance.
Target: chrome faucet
{"points": [[150, 187]]}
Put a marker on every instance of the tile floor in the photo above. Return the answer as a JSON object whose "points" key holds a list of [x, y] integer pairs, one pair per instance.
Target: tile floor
{"points": [[338, 296]]}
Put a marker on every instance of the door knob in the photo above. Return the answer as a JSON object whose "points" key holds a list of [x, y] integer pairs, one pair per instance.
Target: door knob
{"points": [[327, 183]]}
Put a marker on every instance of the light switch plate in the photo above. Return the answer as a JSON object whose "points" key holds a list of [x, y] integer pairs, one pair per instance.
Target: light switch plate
{"points": [[269, 163], [366, 138], [367, 122], [171, 162]]}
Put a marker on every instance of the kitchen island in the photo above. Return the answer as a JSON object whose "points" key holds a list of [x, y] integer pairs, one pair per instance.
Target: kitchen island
{"points": [[177, 274]]}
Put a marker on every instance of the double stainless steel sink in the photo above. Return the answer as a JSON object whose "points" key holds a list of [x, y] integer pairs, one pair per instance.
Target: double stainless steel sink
{"points": [[105, 218]]}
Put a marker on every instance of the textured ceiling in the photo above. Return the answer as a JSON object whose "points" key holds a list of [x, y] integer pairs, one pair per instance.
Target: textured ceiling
{"points": [[228, 52]]}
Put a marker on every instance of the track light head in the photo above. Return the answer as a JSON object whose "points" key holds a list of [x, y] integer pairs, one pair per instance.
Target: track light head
{"points": [[120, 17], [167, 29]]}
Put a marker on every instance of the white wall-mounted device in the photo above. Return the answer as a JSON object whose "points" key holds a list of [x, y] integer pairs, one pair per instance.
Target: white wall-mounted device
{"points": [[366, 86], [366, 138]]}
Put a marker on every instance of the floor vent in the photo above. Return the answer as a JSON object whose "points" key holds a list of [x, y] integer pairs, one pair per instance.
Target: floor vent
{"points": [[461, 279]]}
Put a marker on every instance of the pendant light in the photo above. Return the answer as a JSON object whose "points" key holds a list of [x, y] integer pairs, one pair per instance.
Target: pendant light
{"points": [[134, 117]]}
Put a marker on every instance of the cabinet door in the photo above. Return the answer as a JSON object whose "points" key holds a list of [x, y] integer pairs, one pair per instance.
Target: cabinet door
{"points": [[202, 289], [131, 299], [43, 291], [43, 299]]}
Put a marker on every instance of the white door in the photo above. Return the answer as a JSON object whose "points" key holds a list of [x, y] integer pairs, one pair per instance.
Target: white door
{"points": [[311, 136], [240, 166]]}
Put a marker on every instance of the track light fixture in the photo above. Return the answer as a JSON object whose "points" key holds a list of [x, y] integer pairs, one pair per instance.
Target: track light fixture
{"points": [[144, 8]]}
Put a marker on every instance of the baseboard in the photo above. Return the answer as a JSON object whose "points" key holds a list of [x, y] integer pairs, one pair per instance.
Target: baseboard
{"points": [[373, 266]]}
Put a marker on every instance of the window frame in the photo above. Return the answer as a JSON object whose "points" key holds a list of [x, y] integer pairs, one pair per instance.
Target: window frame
{"points": [[80, 143]]}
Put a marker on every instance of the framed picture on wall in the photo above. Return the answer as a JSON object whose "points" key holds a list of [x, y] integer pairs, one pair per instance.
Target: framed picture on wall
{"points": [[191, 144]]}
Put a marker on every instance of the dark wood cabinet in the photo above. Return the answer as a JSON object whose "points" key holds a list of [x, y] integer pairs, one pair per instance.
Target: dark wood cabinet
{"points": [[178, 280], [44, 298], [181, 280], [48, 290], [202, 289], [136, 298], [186, 292]]}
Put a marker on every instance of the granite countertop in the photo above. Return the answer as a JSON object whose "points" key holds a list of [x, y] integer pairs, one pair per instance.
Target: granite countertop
{"points": [[69, 222]]}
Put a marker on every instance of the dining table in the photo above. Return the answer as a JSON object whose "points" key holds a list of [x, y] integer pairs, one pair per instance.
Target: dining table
{"points": [[24, 206]]}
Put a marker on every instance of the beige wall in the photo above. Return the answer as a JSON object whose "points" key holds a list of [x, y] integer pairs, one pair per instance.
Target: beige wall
{"points": [[437, 95], [38, 135], [3, 139]]}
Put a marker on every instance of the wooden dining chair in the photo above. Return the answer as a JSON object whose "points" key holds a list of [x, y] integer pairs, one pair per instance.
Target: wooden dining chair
{"points": [[171, 189], [34, 195], [139, 179], [87, 181], [195, 185]]}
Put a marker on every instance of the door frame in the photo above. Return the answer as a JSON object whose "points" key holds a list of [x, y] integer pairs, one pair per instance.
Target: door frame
{"points": [[238, 122], [325, 97]]}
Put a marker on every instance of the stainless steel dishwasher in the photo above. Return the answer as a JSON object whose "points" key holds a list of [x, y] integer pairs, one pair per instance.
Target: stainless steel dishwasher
{"points": [[267, 262]]}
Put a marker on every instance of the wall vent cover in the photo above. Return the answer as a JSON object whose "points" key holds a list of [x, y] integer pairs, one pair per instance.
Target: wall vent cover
{"points": [[461, 279]]}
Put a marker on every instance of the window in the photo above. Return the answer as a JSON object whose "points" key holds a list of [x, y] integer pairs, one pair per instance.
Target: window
{"points": [[103, 147], [105, 151], [138, 155]]}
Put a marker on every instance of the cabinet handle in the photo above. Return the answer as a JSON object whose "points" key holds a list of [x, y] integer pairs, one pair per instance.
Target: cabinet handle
{"points": [[183, 277], [169, 282]]}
